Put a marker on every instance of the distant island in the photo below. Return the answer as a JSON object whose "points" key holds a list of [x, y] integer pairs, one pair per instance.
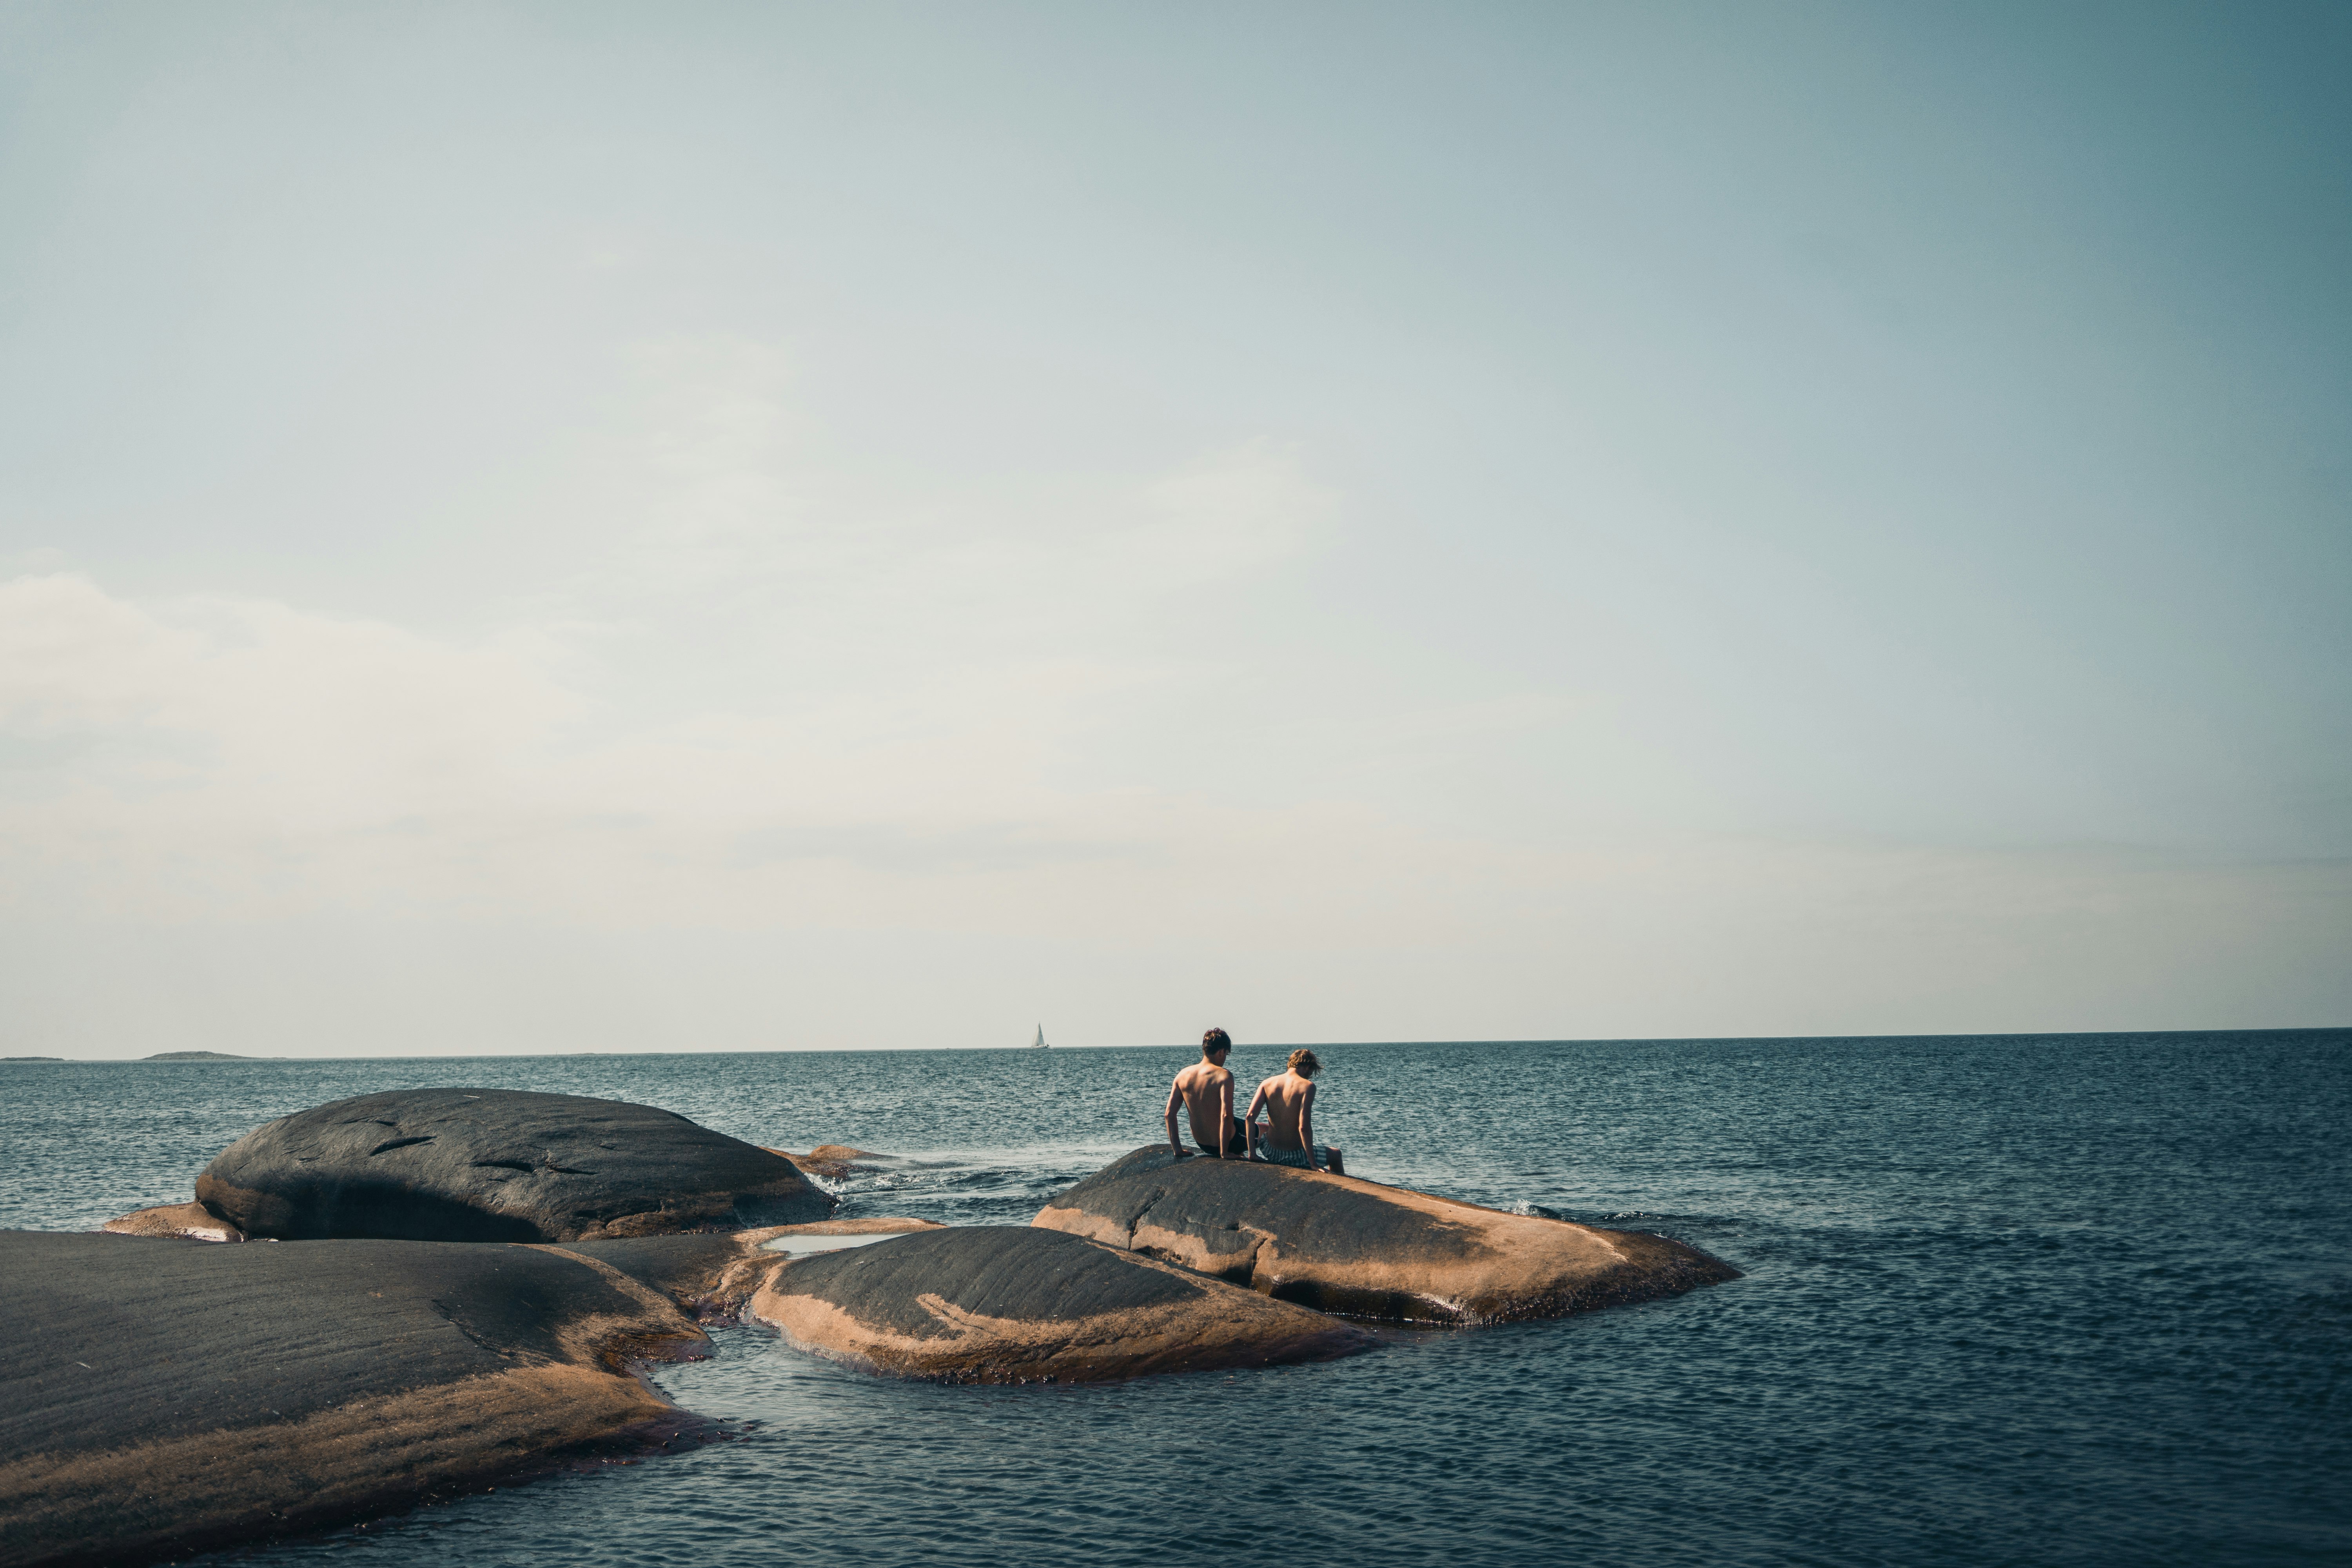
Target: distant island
{"points": [[197, 1057], [31, 1058]]}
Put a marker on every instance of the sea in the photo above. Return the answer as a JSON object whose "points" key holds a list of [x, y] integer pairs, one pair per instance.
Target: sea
{"points": [[2064, 1298]]}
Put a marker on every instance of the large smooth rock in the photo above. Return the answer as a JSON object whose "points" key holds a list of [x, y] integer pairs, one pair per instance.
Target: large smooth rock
{"points": [[1344, 1245], [161, 1396], [491, 1164], [1014, 1304]]}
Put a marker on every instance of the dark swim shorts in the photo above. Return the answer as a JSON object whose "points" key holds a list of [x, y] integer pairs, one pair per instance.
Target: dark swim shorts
{"points": [[1237, 1141]]}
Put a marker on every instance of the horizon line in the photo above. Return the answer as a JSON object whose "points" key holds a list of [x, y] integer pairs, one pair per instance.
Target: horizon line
{"points": [[165, 1058]]}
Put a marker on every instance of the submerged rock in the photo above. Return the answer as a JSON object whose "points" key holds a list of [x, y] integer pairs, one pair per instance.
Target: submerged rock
{"points": [[164, 1398], [831, 1161], [190, 1222], [1014, 1304], [452, 1164], [1344, 1245]]}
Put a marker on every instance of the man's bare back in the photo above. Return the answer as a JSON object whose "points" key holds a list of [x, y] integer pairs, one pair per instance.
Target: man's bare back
{"points": [[1208, 1095]]}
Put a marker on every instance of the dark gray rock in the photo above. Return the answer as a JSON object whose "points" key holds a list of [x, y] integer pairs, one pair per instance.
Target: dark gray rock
{"points": [[164, 1397], [489, 1164], [1010, 1304], [1344, 1245]]}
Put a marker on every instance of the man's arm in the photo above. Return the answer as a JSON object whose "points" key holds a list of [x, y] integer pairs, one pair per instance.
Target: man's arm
{"points": [[1249, 1121], [1175, 1098], [1307, 1127], [1224, 1114]]}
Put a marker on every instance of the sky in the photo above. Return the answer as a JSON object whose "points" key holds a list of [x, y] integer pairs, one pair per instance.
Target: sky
{"points": [[577, 527]]}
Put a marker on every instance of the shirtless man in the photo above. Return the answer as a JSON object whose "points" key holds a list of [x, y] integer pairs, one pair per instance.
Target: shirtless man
{"points": [[1290, 1103], [1205, 1090]]}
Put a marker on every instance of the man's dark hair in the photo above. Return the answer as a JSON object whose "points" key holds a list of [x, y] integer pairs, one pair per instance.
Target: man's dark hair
{"points": [[1215, 1040]]}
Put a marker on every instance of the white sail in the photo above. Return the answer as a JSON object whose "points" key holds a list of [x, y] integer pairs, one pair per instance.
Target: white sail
{"points": [[1041, 1040]]}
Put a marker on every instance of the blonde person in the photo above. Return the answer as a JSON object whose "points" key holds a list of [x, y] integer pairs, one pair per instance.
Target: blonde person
{"points": [[1289, 1100]]}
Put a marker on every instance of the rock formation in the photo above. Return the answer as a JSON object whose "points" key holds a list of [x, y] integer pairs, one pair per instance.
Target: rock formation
{"points": [[453, 1164], [1344, 1245], [164, 1397], [1013, 1304]]}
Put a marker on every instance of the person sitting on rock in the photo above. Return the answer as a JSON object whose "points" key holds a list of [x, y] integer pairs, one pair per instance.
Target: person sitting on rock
{"points": [[1205, 1090], [1289, 1102]]}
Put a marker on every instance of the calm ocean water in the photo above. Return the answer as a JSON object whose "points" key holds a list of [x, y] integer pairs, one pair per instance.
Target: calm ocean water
{"points": [[2062, 1299]]}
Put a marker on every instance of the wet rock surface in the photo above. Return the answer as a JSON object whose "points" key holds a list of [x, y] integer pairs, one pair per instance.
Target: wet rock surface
{"points": [[166, 1395], [454, 1164], [1014, 1304], [1341, 1243]]}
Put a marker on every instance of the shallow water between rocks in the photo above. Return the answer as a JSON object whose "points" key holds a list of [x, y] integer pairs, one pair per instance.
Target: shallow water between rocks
{"points": [[2061, 1299]]}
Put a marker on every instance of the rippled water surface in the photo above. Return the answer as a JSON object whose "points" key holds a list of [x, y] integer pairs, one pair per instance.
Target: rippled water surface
{"points": [[2022, 1299]]}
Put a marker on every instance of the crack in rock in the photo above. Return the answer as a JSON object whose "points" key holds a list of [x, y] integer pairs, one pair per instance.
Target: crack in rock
{"points": [[400, 1143]]}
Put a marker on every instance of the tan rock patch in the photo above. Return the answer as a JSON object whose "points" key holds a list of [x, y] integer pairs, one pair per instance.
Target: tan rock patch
{"points": [[193, 1222]]}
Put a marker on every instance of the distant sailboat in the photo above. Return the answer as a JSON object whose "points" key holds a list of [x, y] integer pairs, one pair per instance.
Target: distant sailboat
{"points": [[1041, 1044]]}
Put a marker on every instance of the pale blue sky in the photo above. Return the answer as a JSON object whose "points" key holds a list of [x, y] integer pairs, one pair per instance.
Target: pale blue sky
{"points": [[712, 526]]}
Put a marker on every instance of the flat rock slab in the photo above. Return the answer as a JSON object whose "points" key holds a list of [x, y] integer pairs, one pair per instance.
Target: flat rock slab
{"points": [[489, 1165], [1015, 1304], [1343, 1244], [164, 1397]]}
